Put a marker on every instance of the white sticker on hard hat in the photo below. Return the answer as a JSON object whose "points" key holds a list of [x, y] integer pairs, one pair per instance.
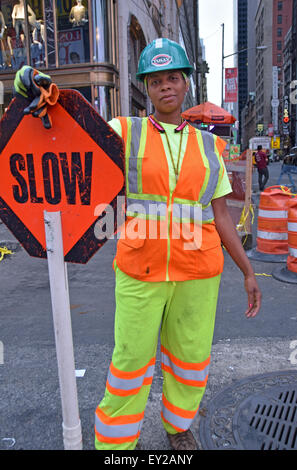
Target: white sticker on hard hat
{"points": [[161, 60], [159, 43]]}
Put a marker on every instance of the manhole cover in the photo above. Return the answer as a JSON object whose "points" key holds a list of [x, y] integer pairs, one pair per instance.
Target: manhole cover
{"points": [[258, 413]]}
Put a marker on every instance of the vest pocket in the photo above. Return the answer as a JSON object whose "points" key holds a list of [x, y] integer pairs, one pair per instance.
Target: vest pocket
{"points": [[133, 243], [128, 256]]}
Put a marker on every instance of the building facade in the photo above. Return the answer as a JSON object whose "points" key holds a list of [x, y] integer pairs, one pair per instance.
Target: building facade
{"points": [[263, 70], [242, 57], [293, 94], [282, 22], [94, 45], [248, 117], [76, 41]]}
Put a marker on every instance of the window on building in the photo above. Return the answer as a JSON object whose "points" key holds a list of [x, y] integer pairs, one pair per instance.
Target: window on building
{"points": [[101, 42], [14, 34], [279, 6], [279, 58], [73, 32], [279, 32], [279, 45], [136, 44], [279, 19]]}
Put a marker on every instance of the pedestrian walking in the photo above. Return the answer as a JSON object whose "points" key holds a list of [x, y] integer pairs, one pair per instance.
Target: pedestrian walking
{"points": [[168, 280], [262, 162]]}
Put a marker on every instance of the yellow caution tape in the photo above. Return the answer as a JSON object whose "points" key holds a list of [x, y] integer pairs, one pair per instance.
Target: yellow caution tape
{"points": [[263, 274], [243, 218], [4, 251], [287, 191]]}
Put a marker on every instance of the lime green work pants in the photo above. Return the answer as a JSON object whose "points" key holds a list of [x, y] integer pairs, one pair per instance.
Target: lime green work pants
{"points": [[186, 312]]}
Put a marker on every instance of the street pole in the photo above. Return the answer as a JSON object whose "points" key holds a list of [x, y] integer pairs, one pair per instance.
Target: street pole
{"points": [[57, 267], [223, 51]]}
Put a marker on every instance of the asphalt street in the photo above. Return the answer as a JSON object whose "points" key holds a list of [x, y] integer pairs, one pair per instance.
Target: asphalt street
{"points": [[30, 405]]}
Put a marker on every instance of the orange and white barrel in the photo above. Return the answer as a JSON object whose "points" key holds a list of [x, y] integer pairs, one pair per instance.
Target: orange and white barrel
{"points": [[292, 235], [272, 230]]}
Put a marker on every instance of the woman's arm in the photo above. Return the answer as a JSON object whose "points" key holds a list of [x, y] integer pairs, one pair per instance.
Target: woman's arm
{"points": [[232, 243]]}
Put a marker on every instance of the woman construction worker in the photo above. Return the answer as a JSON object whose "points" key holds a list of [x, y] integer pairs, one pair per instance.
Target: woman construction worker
{"points": [[169, 259]]}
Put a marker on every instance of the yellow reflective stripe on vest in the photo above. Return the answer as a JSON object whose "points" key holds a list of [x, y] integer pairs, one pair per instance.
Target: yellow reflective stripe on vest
{"points": [[150, 209], [137, 134]]}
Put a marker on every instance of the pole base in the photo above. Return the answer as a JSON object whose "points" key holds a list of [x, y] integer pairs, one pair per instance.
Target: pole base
{"points": [[266, 257], [72, 437], [284, 275]]}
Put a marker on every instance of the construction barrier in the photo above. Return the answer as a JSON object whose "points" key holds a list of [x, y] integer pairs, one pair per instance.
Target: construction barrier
{"points": [[272, 230], [289, 273], [239, 202]]}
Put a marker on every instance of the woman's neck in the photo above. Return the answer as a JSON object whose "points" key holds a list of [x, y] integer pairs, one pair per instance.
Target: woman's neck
{"points": [[174, 118]]}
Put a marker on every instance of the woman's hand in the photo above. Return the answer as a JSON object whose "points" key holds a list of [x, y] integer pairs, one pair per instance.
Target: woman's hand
{"points": [[254, 296]]}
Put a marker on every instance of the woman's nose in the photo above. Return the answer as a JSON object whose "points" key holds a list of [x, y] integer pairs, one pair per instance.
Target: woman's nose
{"points": [[165, 85]]}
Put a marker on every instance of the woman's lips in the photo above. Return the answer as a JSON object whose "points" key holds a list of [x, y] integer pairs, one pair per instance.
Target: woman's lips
{"points": [[167, 98]]}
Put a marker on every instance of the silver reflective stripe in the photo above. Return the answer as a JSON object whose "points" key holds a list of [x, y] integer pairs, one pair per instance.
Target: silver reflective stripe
{"points": [[186, 374], [292, 226], [293, 252], [195, 213], [214, 166], [117, 430], [132, 176], [207, 214], [146, 207], [175, 420], [136, 128], [129, 384], [272, 235], [273, 214], [187, 211]]}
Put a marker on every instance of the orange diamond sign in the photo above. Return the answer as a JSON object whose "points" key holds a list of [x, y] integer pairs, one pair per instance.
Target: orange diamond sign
{"points": [[74, 167]]}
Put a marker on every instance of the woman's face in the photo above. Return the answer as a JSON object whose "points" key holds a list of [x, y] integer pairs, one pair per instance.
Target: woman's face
{"points": [[167, 90]]}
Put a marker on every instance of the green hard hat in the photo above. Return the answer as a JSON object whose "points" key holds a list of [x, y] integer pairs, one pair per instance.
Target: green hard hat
{"points": [[162, 54]]}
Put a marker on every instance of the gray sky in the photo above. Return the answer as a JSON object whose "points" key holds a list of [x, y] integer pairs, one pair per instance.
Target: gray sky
{"points": [[212, 13]]}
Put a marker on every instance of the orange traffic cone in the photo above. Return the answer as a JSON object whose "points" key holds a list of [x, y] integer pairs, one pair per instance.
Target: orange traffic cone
{"points": [[289, 273], [272, 230]]}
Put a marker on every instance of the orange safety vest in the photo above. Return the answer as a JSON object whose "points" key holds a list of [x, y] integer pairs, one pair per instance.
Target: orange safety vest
{"points": [[162, 239]]}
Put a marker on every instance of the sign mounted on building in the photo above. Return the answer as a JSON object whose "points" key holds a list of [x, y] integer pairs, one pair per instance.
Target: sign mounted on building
{"points": [[270, 130], [275, 100], [231, 85], [275, 143], [74, 167]]}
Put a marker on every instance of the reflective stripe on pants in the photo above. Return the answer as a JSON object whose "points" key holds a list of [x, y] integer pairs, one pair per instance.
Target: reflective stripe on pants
{"points": [[186, 312]]}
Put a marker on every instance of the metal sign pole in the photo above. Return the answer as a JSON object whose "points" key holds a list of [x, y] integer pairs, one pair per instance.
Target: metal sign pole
{"points": [[71, 425]]}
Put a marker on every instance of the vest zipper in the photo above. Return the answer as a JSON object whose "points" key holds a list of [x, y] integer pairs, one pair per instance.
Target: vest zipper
{"points": [[169, 211]]}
